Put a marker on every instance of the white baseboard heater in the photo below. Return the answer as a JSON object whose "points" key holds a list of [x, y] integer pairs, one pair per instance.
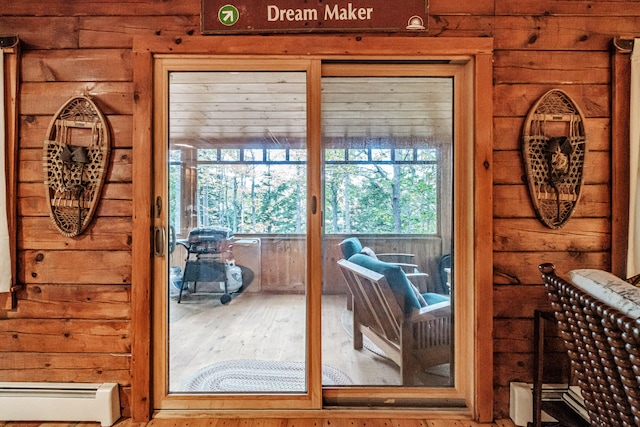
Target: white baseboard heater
{"points": [[521, 401], [25, 401]]}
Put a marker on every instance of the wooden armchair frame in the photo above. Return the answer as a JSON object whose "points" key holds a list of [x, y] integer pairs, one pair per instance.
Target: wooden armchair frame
{"points": [[413, 341], [352, 245]]}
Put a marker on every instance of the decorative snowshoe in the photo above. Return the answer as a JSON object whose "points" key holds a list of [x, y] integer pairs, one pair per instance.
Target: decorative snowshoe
{"points": [[75, 158], [553, 150]]}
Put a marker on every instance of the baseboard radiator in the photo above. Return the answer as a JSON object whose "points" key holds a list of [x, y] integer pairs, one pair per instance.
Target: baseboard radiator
{"points": [[24, 401], [521, 401]]}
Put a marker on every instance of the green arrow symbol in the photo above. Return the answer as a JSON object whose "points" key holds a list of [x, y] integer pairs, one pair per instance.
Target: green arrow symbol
{"points": [[228, 15]]}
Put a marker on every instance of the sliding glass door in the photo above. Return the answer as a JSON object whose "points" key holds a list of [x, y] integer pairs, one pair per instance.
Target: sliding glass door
{"points": [[388, 162], [232, 294], [237, 210], [304, 233]]}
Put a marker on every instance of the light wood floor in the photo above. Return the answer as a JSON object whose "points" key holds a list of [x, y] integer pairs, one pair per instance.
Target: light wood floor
{"points": [[277, 422], [270, 327], [259, 315]]}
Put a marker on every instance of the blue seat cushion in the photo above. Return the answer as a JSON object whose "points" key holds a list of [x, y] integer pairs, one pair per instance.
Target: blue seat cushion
{"points": [[432, 298], [350, 247], [397, 280]]}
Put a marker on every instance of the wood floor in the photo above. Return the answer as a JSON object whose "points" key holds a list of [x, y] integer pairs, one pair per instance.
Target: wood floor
{"points": [[271, 327], [277, 422], [196, 346]]}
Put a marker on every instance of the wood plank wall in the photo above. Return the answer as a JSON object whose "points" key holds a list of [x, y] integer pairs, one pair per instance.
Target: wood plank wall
{"points": [[73, 319]]}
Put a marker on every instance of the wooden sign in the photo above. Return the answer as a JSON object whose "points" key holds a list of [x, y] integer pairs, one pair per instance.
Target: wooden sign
{"points": [[277, 16], [553, 149]]}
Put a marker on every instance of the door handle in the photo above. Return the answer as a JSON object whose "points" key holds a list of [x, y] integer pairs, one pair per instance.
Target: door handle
{"points": [[159, 241]]}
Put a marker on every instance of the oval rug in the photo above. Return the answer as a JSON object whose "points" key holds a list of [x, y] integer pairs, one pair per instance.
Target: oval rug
{"points": [[259, 376]]}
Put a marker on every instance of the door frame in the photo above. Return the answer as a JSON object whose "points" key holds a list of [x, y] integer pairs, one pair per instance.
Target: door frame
{"points": [[475, 52]]}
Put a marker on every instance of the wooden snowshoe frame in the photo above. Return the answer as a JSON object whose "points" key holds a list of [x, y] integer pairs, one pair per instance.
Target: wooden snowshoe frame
{"points": [[553, 149], [75, 158]]}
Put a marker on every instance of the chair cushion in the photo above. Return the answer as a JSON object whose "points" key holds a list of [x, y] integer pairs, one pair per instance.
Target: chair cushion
{"points": [[350, 247], [610, 289], [423, 302], [432, 298], [398, 282]]}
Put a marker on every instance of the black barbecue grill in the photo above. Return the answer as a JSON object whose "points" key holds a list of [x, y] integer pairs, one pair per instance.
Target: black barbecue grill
{"points": [[209, 240], [208, 249]]}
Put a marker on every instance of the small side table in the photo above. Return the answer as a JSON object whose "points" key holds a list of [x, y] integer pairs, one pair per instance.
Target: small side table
{"points": [[557, 409]]}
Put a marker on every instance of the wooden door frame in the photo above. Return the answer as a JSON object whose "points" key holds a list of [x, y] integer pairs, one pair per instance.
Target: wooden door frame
{"points": [[620, 111], [476, 51]]}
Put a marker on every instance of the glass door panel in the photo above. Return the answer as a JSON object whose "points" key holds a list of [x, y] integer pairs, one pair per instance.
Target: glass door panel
{"points": [[237, 178], [388, 150]]}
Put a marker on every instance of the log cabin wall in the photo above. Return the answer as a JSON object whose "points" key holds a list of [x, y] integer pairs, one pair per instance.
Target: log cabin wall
{"points": [[73, 320]]}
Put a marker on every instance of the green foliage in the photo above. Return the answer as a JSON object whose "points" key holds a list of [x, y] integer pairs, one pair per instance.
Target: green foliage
{"points": [[272, 199], [370, 199]]}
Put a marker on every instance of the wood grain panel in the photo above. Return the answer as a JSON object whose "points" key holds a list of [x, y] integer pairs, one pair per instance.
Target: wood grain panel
{"points": [[284, 265], [100, 267], [116, 200], [516, 335], [551, 67], [620, 183], [53, 301], [33, 131], [38, 32], [466, 7], [88, 375], [568, 7], [65, 336], [511, 367], [523, 266], [119, 170], [513, 302], [508, 133], [517, 99], [103, 233], [119, 31], [64, 367], [20, 361], [509, 167], [514, 201], [578, 234], [99, 8], [111, 191], [536, 32], [88, 66], [47, 98]]}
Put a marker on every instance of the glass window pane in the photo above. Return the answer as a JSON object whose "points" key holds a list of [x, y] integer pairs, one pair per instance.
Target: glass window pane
{"points": [[427, 154], [358, 155], [254, 155], [227, 155], [237, 276], [380, 155], [275, 155], [208, 154], [388, 208], [298, 155]]}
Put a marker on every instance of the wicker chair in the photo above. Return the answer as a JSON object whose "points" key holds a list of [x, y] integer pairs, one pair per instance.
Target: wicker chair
{"points": [[603, 345]]}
